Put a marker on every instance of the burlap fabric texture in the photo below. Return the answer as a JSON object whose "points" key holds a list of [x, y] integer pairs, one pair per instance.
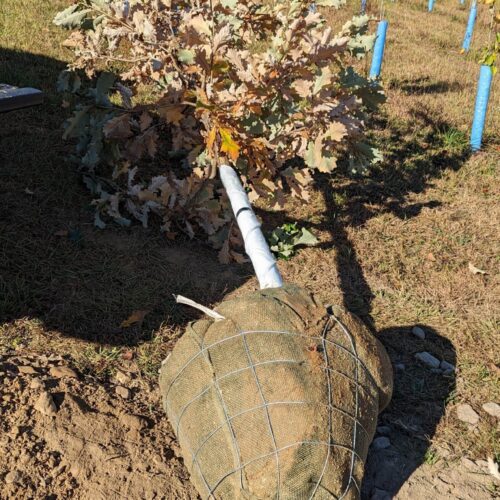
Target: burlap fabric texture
{"points": [[278, 400]]}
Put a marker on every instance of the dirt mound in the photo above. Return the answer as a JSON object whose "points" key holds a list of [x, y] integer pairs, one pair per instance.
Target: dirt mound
{"points": [[63, 435], [66, 435]]}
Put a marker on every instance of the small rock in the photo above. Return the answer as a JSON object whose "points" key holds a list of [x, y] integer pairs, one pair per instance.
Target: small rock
{"points": [[492, 408], [465, 413], [133, 422], [123, 392], [381, 443], [62, 371], [418, 332], [446, 367], [27, 370], [15, 431], [482, 464], [45, 404], [383, 430], [428, 359], [36, 383], [122, 378], [13, 477], [379, 494], [58, 470], [400, 367], [468, 463]]}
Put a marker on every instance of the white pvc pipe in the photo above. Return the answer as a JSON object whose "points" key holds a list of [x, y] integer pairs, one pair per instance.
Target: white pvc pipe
{"points": [[256, 246]]}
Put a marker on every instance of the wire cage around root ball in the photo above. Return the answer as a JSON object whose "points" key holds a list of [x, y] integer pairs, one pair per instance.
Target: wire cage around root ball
{"points": [[279, 399]]}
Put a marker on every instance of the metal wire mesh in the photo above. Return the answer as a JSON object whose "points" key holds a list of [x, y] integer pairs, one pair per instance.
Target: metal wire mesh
{"points": [[271, 412]]}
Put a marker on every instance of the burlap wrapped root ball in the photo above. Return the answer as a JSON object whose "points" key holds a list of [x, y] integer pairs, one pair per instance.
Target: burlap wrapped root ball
{"points": [[278, 400]]}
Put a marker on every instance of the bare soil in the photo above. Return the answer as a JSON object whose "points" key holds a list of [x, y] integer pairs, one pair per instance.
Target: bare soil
{"points": [[93, 443], [112, 441]]}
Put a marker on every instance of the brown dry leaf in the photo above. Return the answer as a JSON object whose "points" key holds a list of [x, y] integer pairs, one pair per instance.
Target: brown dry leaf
{"points": [[475, 270], [337, 131], [200, 25], [145, 121], [127, 355], [238, 257], [224, 255], [303, 87], [118, 128], [495, 369], [136, 317], [62, 232], [172, 114], [211, 138], [430, 256]]}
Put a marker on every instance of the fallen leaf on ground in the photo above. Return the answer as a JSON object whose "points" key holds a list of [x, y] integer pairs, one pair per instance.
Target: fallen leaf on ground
{"points": [[127, 355], [430, 256], [494, 368], [475, 270], [135, 317], [493, 468], [62, 232]]}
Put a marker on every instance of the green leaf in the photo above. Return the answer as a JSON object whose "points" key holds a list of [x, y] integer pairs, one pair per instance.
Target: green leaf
{"points": [[98, 221], [306, 238], [76, 123], [185, 56], [104, 84], [71, 17], [284, 240], [62, 83]]}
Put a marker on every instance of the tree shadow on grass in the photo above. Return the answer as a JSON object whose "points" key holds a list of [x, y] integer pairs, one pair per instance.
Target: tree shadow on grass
{"points": [[415, 155], [424, 85], [55, 266]]}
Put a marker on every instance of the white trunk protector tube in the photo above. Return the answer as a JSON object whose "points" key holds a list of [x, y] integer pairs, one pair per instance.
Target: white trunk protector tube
{"points": [[256, 246]]}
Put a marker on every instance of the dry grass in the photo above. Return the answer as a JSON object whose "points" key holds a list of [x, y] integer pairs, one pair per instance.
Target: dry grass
{"points": [[395, 246]]}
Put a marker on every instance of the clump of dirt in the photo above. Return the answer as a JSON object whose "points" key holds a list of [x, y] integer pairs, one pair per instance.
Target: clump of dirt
{"points": [[63, 435]]}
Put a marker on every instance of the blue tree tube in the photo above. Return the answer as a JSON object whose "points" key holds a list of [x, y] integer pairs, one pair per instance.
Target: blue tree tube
{"points": [[363, 6], [430, 5], [481, 106], [470, 27], [378, 49]]}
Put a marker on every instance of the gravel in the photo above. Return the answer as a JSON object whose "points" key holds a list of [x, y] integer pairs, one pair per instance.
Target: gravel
{"points": [[492, 409], [418, 332], [428, 359], [466, 414], [381, 443]]}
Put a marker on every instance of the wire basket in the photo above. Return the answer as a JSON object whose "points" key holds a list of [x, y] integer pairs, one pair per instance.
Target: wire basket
{"points": [[277, 400]]}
